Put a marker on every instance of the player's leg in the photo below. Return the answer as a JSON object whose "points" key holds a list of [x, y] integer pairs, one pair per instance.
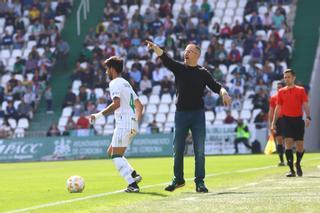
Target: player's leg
{"points": [[289, 135], [299, 155], [280, 150], [279, 140], [117, 149], [289, 155], [198, 129], [180, 135], [299, 144]]}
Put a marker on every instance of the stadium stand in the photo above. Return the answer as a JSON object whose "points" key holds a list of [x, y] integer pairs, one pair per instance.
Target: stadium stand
{"points": [[29, 33], [245, 44]]}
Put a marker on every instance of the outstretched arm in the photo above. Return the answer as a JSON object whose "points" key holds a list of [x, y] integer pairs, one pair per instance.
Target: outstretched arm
{"points": [[166, 60]]}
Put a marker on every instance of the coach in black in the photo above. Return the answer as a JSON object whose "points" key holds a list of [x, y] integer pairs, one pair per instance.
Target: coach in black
{"points": [[191, 81]]}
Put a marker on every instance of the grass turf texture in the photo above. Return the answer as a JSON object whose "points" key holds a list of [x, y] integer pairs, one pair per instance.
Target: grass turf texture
{"points": [[243, 183]]}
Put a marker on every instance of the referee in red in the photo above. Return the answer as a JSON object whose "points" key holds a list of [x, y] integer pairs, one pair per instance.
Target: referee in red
{"points": [[291, 100], [278, 134]]}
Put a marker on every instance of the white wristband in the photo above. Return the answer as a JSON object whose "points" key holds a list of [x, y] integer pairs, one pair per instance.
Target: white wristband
{"points": [[98, 115]]}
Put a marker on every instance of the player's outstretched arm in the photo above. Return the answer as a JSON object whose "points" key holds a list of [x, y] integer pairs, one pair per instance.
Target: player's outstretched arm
{"points": [[109, 109], [139, 108]]}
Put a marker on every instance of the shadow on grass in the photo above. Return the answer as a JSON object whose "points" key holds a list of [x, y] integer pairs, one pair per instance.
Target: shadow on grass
{"points": [[152, 193], [217, 193], [311, 176]]}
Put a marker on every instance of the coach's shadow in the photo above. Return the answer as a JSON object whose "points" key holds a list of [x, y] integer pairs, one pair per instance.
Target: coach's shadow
{"points": [[153, 194], [312, 176], [218, 193]]}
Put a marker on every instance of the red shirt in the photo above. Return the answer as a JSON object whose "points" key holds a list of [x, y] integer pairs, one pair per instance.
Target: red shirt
{"points": [[273, 103], [83, 123], [291, 100]]}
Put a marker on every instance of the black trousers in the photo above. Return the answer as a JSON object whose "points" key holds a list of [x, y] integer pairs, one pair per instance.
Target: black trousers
{"points": [[241, 140]]}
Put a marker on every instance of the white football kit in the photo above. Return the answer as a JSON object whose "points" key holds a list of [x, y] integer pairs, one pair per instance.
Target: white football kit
{"points": [[126, 124]]}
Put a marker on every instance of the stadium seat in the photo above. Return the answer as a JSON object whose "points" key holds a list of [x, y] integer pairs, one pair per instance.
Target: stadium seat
{"points": [[255, 112], [100, 121], [163, 108], [221, 115], [76, 84], [242, 3], [143, 99], [219, 13], [235, 114], [223, 68], [154, 99], [110, 119], [151, 109], [170, 117], [247, 104], [160, 118], [173, 107], [99, 129], [229, 12], [16, 104], [232, 4], [12, 123], [19, 133], [209, 116], [16, 53], [5, 54], [67, 111], [99, 92], [221, 5], [166, 98], [23, 123], [245, 114], [63, 121], [156, 90]]}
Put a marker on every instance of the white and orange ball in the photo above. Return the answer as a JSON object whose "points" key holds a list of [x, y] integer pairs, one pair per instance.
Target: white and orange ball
{"points": [[75, 184]]}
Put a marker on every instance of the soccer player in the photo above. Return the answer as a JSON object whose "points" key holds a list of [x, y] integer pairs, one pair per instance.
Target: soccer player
{"points": [[127, 109], [291, 100], [191, 81], [279, 126]]}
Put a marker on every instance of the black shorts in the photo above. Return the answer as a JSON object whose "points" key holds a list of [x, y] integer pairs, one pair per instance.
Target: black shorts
{"points": [[279, 127], [293, 127]]}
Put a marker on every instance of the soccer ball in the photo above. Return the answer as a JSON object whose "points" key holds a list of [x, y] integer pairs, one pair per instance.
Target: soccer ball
{"points": [[75, 184]]}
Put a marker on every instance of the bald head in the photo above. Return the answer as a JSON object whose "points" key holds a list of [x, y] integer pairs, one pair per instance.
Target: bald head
{"points": [[192, 54]]}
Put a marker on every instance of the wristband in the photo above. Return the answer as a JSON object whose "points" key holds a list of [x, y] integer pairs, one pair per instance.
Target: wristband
{"points": [[309, 118], [98, 115]]}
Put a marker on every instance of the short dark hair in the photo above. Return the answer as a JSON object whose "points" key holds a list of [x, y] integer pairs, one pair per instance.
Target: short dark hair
{"points": [[115, 62], [290, 71], [197, 47]]}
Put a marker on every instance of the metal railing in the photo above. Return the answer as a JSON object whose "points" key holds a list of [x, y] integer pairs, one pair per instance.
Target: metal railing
{"points": [[85, 6]]}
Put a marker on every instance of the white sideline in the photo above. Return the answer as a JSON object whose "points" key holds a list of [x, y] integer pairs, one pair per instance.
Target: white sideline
{"points": [[143, 187]]}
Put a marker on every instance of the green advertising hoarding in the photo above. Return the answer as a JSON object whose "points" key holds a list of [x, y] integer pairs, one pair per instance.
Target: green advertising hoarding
{"points": [[69, 148]]}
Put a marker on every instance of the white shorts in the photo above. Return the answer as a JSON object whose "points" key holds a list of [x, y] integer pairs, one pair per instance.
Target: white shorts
{"points": [[122, 137]]}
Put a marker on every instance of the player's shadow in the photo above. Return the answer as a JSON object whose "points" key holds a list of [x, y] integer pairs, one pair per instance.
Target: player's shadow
{"points": [[153, 194], [311, 176]]}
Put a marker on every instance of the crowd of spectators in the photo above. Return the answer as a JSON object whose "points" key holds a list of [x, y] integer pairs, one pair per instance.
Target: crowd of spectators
{"points": [[246, 55], [29, 45]]}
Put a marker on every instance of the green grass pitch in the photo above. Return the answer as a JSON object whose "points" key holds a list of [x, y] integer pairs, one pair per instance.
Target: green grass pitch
{"points": [[242, 183]]}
